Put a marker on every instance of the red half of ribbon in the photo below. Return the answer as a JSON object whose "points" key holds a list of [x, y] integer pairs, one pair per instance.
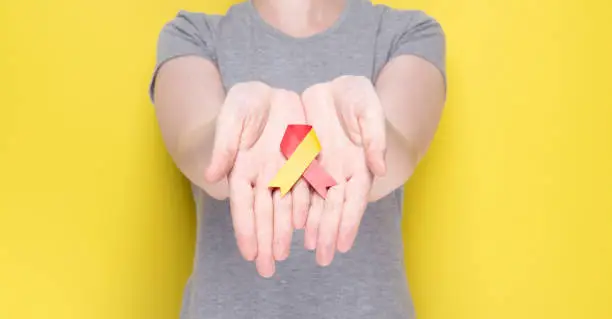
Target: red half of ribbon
{"points": [[315, 174]]}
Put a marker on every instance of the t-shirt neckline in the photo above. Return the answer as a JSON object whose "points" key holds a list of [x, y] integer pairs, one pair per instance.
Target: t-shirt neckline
{"points": [[259, 20]]}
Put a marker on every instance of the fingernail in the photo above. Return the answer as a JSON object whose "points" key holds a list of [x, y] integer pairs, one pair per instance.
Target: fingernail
{"points": [[279, 251], [249, 255], [323, 257], [265, 267], [343, 246], [310, 241], [346, 240], [308, 244]]}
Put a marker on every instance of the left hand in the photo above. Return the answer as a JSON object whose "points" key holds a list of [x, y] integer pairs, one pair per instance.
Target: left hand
{"points": [[349, 121], [362, 117]]}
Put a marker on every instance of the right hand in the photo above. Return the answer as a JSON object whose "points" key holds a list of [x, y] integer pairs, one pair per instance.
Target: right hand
{"points": [[250, 127], [333, 222]]}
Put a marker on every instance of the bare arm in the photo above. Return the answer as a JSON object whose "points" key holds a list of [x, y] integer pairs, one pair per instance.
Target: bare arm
{"points": [[188, 97], [412, 93]]}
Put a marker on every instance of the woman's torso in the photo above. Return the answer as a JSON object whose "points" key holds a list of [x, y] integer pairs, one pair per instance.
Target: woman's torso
{"points": [[367, 282]]}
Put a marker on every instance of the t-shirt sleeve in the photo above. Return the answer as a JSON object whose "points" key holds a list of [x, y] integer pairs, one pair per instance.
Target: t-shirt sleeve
{"points": [[418, 34], [188, 34]]}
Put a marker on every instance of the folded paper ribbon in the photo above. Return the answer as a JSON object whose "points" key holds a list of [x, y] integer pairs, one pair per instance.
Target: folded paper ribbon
{"points": [[300, 146]]}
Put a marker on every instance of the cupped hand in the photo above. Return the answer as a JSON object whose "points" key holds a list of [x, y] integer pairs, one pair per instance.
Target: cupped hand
{"points": [[249, 130], [351, 132], [362, 118]]}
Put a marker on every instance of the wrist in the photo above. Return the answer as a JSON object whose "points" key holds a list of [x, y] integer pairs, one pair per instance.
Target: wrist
{"points": [[401, 160]]}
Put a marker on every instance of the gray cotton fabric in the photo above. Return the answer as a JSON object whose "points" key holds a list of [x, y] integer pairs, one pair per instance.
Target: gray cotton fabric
{"points": [[367, 282]]}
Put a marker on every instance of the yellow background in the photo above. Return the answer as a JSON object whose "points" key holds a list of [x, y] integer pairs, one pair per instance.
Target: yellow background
{"points": [[510, 215]]}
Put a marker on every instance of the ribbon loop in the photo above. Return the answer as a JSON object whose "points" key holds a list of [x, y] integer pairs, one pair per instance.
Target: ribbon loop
{"points": [[300, 146]]}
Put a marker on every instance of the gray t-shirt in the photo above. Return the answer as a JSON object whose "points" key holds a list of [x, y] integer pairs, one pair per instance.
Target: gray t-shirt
{"points": [[367, 282]]}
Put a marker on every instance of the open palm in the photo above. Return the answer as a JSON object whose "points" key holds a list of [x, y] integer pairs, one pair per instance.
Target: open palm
{"points": [[258, 212], [247, 152], [333, 222]]}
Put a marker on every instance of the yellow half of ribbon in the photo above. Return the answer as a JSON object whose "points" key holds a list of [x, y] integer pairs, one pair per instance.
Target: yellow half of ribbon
{"points": [[297, 164]]}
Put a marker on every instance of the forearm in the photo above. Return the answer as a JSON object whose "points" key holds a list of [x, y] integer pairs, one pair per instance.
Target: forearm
{"points": [[188, 97], [412, 94], [400, 160]]}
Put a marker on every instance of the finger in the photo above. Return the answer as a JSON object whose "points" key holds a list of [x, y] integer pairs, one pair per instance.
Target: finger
{"points": [[255, 124], [228, 132], [241, 208], [312, 222], [301, 203], [283, 225], [355, 203], [349, 122], [373, 135], [330, 223], [263, 220], [287, 105]]}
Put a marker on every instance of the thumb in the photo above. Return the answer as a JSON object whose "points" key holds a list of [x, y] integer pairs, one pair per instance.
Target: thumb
{"points": [[228, 133], [373, 137]]}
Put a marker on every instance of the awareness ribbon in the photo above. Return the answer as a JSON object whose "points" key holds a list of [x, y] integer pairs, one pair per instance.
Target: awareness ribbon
{"points": [[300, 146]]}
